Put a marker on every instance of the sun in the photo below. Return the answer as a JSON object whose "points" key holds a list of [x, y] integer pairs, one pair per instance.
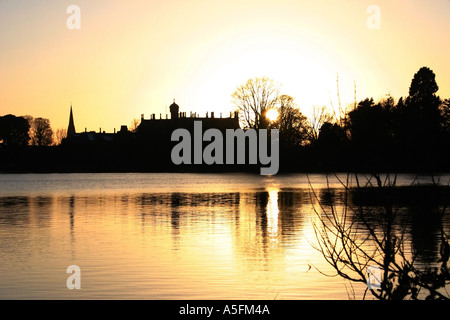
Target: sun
{"points": [[272, 115]]}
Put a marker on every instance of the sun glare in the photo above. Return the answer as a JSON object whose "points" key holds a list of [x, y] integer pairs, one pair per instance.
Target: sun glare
{"points": [[272, 115]]}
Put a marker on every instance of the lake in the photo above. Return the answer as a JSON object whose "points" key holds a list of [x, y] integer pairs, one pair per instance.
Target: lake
{"points": [[174, 236]]}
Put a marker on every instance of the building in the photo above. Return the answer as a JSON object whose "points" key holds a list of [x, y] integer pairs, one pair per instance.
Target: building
{"points": [[146, 149], [92, 137], [158, 125], [71, 128], [155, 130]]}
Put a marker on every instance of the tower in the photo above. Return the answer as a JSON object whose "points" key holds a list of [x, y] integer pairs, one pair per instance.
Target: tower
{"points": [[71, 129], [174, 109]]}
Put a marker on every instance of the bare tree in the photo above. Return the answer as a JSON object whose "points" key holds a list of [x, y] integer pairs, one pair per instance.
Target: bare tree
{"points": [[291, 122], [319, 116], [59, 135], [134, 125], [382, 245], [253, 99], [340, 115], [41, 132], [30, 132]]}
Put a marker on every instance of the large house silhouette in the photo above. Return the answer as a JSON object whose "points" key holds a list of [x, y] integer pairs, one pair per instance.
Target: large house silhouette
{"points": [[152, 129]]}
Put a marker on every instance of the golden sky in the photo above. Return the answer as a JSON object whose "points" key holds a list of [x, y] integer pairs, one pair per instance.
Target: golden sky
{"points": [[134, 57]]}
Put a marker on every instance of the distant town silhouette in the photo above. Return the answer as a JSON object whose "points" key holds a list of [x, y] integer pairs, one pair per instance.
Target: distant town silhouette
{"points": [[411, 134]]}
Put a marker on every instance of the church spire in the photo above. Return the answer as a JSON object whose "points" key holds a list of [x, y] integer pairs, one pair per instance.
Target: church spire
{"points": [[71, 128]]}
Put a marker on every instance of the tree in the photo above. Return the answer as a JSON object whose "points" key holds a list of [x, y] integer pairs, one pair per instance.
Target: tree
{"points": [[134, 125], [30, 123], [319, 116], [422, 117], [445, 113], [291, 122], [331, 137], [390, 112], [369, 124], [357, 238], [423, 85], [253, 99], [42, 133], [14, 130], [59, 135]]}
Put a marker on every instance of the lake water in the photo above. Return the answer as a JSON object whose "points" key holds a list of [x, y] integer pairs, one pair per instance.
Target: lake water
{"points": [[170, 236]]}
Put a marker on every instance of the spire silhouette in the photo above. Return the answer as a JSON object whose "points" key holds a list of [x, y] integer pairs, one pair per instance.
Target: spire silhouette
{"points": [[71, 129]]}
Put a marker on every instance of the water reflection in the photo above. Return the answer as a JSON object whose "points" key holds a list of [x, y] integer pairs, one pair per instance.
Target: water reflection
{"points": [[71, 203], [419, 215], [272, 215], [371, 228], [276, 212], [426, 228], [11, 210], [247, 244], [175, 219]]}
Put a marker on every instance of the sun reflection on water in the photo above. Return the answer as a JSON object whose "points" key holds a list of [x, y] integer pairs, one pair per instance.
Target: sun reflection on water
{"points": [[272, 215]]}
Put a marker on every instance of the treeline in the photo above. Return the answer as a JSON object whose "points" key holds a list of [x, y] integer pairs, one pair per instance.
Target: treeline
{"points": [[26, 130], [411, 134]]}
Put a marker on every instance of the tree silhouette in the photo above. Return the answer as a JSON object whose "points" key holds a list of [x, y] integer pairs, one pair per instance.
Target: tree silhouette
{"points": [[14, 130], [369, 124], [291, 122], [422, 117], [331, 136], [42, 133], [390, 110], [319, 116], [59, 135], [355, 237], [445, 113], [253, 99], [134, 125], [423, 85]]}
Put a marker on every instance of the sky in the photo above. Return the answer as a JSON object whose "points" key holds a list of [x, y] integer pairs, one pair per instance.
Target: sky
{"points": [[134, 57]]}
